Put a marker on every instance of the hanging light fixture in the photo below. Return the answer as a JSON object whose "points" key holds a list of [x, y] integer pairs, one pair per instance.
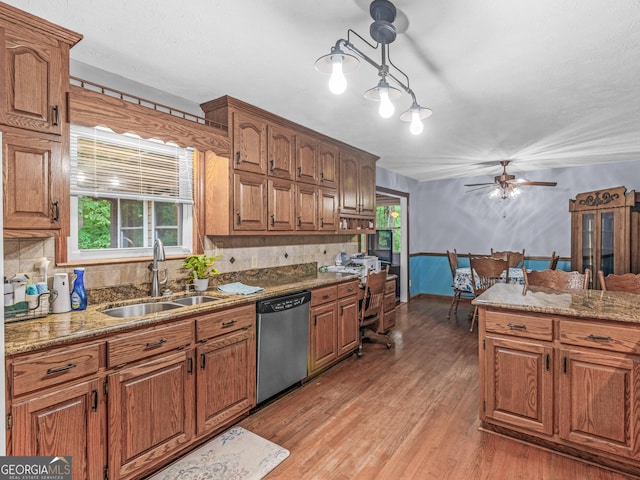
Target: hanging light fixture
{"points": [[338, 63], [504, 191]]}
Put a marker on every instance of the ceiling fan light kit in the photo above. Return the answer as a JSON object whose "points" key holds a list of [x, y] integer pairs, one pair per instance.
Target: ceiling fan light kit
{"points": [[508, 186], [338, 63]]}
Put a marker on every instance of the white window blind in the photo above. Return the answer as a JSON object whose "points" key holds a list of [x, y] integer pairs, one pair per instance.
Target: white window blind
{"points": [[111, 165]]}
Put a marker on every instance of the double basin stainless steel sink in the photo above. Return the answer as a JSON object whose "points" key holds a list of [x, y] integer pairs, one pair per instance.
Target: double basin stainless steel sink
{"points": [[139, 309]]}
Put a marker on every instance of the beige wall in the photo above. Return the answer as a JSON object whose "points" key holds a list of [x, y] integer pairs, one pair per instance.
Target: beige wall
{"points": [[22, 256]]}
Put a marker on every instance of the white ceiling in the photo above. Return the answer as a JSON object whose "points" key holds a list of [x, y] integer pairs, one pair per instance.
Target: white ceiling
{"points": [[545, 83]]}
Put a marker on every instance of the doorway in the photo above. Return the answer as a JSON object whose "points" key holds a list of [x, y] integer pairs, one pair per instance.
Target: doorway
{"points": [[392, 213]]}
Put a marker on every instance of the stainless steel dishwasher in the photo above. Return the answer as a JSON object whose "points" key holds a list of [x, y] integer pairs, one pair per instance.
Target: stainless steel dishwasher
{"points": [[283, 342]]}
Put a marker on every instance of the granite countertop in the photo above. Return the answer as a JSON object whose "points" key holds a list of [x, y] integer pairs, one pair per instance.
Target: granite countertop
{"points": [[61, 328], [597, 304]]}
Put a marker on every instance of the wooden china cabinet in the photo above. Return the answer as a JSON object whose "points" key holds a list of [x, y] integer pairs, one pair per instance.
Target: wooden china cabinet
{"points": [[604, 232]]}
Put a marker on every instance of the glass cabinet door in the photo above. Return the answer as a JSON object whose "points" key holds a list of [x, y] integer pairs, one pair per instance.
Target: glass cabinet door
{"points": [[607, 239], [588, 241]]}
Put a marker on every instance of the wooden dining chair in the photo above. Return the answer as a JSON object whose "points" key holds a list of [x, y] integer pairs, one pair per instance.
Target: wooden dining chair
{"points": [[624, 282], [553, 261], [486, 272], [457, 292], [371, 308], [558, 279], [515, 259]]}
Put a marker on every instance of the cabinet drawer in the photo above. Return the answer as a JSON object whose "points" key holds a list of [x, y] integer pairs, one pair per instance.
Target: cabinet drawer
{"points": [[617, 338], [324, 295], [148, 342], [349, 288], [54, 367], [390, 286], [519, 325], [389, 301], [225, 321]]}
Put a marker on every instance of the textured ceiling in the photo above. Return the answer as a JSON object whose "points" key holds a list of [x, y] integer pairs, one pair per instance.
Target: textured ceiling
{"points": [[545, 83]]}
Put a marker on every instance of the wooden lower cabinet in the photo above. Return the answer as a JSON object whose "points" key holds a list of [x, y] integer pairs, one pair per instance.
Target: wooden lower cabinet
{"points": [[520, 384], [333, 324], [150, 413], [226, 379], [598, 401], [572, 385], [67, 421], [323, 348], [388, 318]]}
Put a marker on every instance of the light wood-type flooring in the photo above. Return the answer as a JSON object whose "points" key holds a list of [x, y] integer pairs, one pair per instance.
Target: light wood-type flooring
{"points": [[406, 413]]}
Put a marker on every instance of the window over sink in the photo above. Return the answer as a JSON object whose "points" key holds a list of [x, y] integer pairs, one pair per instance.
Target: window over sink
{"points": [[127, 191]]}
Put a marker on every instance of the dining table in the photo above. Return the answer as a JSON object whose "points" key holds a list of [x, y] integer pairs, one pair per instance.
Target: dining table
{"points": [[462, 280]]}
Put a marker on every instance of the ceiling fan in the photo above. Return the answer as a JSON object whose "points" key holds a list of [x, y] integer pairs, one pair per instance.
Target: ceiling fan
{"points": [[506, 185]]}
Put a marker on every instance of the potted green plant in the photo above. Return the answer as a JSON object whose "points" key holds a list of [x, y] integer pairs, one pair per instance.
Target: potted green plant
{"points": [[201, 269]]}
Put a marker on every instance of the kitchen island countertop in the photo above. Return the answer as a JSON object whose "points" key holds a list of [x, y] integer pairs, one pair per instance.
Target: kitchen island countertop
{"points": [[596, 304]]}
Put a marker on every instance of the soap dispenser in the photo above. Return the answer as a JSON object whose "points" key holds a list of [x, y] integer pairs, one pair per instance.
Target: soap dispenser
{"points": [[78, 294]]}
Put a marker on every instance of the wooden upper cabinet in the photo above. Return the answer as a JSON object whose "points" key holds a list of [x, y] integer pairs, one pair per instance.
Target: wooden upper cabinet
{"points": [[349, 195], [328, 209], [306, 207], [367, 187], [249, 143], [307, 159], [249, 202], [281, 145], [328, 158], [34, 80], [282, 197], [35, 184], [357, 185]]}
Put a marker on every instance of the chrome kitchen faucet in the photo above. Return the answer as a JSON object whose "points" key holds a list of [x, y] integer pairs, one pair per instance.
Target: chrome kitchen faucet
{"points": [[158, 256]]}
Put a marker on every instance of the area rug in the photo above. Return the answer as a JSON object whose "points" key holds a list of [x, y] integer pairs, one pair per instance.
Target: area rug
{"points": [[237, 454]]}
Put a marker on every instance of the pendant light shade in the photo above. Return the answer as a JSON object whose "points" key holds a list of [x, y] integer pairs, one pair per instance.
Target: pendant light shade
{"points": [[415, 115], [337, 63]]}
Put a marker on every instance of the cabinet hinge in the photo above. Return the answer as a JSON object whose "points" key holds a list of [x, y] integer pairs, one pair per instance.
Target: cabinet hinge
{"points": [[9, 420], [106, 472], [105, 388]]}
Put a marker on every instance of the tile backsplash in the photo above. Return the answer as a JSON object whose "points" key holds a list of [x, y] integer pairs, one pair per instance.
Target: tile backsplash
{"points": [[238, 253]]}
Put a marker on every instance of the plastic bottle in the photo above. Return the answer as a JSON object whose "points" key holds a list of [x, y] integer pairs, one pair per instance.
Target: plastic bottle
{"points": [[78, 294]]}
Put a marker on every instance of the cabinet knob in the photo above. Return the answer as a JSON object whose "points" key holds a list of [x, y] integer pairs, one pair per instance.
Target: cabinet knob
{"points": [[322, 176], [238, 159], [56, 116], [273, 165], [273, 220], [239, 218], [299, 221], [299, 171]]}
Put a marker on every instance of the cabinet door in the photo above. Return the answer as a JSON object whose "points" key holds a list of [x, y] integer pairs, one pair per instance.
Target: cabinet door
{"points": [[35, 181], [249, 202], [307, 159], [281, 152], [519, 384], [34, 81], [348, 329], [70, 421], [328, 161], [349, 181], [367, 187], [249, 143], [150, 412], [306, 207], [226, 379], [598, 404], [328, 215], [323, 347], [281, 205]]}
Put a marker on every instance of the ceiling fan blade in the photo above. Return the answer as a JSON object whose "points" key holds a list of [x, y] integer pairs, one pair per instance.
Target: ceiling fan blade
{"points": [[479, 188], [538, 184], [478, 184]]}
